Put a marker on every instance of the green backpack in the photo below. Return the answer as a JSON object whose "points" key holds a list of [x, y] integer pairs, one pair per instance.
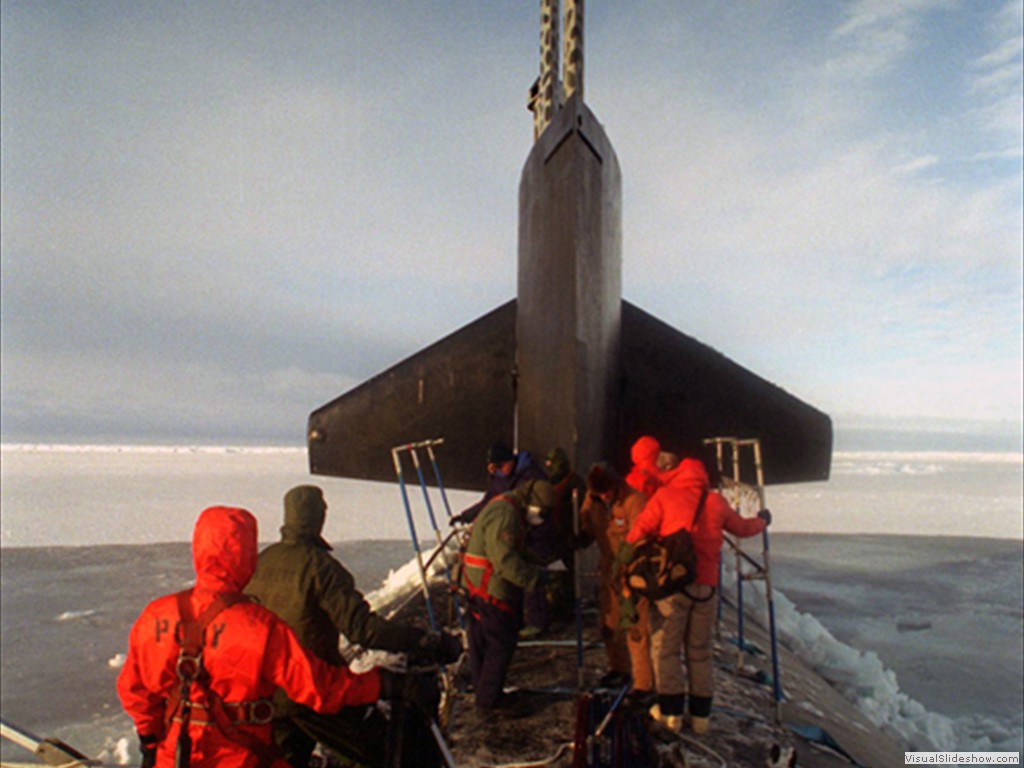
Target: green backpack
{"points": [[666, 565]]}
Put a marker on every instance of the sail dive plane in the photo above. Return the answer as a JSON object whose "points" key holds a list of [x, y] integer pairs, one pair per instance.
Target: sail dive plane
{"points": [[568, 362]]}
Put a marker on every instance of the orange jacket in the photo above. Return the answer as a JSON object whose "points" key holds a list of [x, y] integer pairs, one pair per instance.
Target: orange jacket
{"points": [[673, 508], [248, 652]]}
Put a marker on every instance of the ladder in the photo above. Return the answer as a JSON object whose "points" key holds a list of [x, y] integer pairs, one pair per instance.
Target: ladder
{"points": [[413, 451], [729, 455]]}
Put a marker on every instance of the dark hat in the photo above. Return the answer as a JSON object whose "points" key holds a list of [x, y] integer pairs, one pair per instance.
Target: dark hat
{"points": [[557, 464], [305, 512], [499, 453], [602, 478]]}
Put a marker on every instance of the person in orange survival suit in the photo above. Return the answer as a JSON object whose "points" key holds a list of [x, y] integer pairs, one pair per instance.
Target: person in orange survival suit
{"points": [[685, 620], [608, 512], [244, 653]]}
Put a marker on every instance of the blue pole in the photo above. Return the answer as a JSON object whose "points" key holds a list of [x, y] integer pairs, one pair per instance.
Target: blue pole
{"points": [[437, 475], [776, 683], [720, 570], [423, 487], [413, 451], [739, 602], [412, 533], [448, 510]]}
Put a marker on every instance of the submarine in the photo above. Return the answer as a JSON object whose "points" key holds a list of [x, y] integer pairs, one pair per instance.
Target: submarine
{"points": [[568, 362]]}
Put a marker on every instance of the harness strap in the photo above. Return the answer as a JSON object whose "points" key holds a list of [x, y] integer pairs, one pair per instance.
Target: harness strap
{"points": [[193, 630], [477, 561], [265, 753], [191, 634], [255, 712], [700, 508], [480, 591], [190, 670]]}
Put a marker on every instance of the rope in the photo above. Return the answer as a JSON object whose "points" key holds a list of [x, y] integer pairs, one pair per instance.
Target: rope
{"points": [[538, 763]]}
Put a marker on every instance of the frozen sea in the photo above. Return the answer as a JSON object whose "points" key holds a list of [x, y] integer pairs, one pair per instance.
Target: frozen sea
{"points": [[900, 578]]}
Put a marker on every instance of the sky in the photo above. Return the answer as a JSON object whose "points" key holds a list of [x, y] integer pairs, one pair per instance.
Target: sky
{"points": [[218, 216]]}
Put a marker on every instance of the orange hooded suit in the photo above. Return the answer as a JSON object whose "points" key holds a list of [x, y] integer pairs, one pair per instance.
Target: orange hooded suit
{"points": [[247, 653], [645, 475]]}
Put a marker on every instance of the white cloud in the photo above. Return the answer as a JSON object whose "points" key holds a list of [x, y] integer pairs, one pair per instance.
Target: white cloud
{"points": [[917, 164], [1011, 153], [877, 34], [310, 204], [998, 78]]}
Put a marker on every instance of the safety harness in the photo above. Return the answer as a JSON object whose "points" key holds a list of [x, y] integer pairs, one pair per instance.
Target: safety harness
{"points": [[225, 716], [480, 590]]}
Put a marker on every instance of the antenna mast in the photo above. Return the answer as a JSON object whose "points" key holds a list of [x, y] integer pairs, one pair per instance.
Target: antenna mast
{"points": [[555, 86], [572, 30]]}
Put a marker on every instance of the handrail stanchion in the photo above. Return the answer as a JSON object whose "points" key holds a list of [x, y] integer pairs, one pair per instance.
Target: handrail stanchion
{"points": [[741, 641], [430, 509], [441, 540], [412, 532], [437, 475], [718, 617], [577, 598], [762, 569], [776, 683]]}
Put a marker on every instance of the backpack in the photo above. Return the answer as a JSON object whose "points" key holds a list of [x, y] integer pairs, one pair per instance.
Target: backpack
{"points": [[666, 565]]}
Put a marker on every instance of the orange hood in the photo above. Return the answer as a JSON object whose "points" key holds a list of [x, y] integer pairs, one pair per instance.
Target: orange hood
{"points": [[645, 453], [224, 549]]}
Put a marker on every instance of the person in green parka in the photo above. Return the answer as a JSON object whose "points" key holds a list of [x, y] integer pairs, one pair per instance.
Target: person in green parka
{"points": [[496, 571], [300, 580]]}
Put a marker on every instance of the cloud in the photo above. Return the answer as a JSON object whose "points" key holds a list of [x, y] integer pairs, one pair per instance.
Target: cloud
{"points": [[998, 77], [917, 164], [822, 217], [139, 398], [218, 210], [877, 34]]}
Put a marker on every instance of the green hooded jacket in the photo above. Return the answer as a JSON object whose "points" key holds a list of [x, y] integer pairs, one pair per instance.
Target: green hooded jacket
{"points": [[300, 581], [498, 535]]}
